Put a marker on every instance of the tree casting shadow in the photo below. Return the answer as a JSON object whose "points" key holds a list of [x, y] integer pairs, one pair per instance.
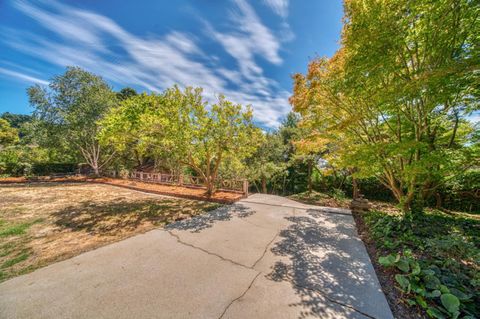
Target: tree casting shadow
{"points": [[326, 263], [110, 218], [207, 220]]}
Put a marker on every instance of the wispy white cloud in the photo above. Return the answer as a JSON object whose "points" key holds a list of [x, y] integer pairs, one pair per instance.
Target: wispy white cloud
{"points": [[93, 41], [248, 40], [474, 118], [22, 76], [280, 7]]}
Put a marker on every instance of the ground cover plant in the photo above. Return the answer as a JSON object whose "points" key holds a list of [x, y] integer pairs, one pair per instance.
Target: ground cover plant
{"points": [[435, 264], [41, 223]]}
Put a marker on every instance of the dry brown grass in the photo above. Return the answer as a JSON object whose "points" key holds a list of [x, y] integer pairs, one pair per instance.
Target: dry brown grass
{"points": [[198, 193], [41, 223]]}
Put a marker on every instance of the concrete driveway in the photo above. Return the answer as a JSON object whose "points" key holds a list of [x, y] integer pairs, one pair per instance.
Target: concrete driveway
{"points": [[264, 257]]}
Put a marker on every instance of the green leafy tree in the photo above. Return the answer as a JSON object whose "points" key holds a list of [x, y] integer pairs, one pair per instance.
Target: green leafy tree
{"points": [[268, 163], [125, 128], [126, 93], [19, 121], [298, 170], [180, 125], [393, 101], [8, 134], [309, 150], [16, 120], [68, 111]]}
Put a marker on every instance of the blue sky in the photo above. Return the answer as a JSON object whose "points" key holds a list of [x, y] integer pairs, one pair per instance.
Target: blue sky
{"points": [[244, 49]]}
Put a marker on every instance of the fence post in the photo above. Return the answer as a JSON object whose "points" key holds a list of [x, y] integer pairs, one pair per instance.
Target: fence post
{"points": [[141, 176], [245, 188]]}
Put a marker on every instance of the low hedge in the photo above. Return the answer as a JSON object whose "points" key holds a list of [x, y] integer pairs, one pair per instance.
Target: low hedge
{"points": [[43, 169]]}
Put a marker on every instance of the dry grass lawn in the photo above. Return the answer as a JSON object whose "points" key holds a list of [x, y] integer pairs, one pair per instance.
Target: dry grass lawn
{"points": [[41, 223]]}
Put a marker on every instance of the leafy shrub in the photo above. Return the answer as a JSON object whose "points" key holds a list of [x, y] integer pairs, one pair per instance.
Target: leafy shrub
{"points": [[42, 169], [437, 258], [338, 194], [463, 192], [371, 188], [14, 162]]}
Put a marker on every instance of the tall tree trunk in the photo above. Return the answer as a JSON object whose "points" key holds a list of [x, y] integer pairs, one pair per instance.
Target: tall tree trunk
{"points": [[96, 169], [438, 200], [210, 186], [356, 191], [310, 165], [413, 203], [264, 185]]}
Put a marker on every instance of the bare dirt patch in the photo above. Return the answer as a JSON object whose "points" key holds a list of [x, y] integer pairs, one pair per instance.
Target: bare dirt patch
{"points": [[41, 223]]}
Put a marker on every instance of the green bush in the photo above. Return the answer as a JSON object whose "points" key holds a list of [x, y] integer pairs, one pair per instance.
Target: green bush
{"points": [[462, 193], [459, 194], [338, 194], [437, 258], [15, 161], [43, 169], [25, 160]]}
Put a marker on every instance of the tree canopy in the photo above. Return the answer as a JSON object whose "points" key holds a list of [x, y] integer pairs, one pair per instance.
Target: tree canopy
{"points": [[68, 111], [126, 93], [8, 134], [393, 101], [182, 126]]}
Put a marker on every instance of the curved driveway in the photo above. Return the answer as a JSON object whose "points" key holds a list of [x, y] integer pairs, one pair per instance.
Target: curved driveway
{"points": [[264, 257]]}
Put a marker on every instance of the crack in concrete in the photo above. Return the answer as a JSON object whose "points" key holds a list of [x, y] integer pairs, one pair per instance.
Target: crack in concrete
{"points": [[206, 251], [253, 224], [243, 294], [260, 272], [333, 300], [265, 250]]}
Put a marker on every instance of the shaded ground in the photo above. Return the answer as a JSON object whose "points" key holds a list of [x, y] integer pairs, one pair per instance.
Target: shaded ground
{"points": [[41, 223], [263, 257]]}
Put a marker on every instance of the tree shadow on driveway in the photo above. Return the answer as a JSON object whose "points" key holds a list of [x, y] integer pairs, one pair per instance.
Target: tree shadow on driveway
{"points": [[327, 260], [198, 223], [112, 217]]}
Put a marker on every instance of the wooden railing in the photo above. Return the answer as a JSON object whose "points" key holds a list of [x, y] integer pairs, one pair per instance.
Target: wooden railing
{"points": [[238, 186], [155, 177]]}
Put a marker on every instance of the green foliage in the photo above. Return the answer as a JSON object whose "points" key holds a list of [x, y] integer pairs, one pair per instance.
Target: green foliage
{"points": [[8, 134], [393, 102], [18, 160], [267, 165], [437, 260], [338, 194], [462, 192], [67, 113], [7, 229], [44, 169], [180, 126], [16, 120], [426, 287], [9, 263], [126, 93]]}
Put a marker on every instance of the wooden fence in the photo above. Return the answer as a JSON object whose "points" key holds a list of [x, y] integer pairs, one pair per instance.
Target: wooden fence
{"points": [[237, 186]]}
